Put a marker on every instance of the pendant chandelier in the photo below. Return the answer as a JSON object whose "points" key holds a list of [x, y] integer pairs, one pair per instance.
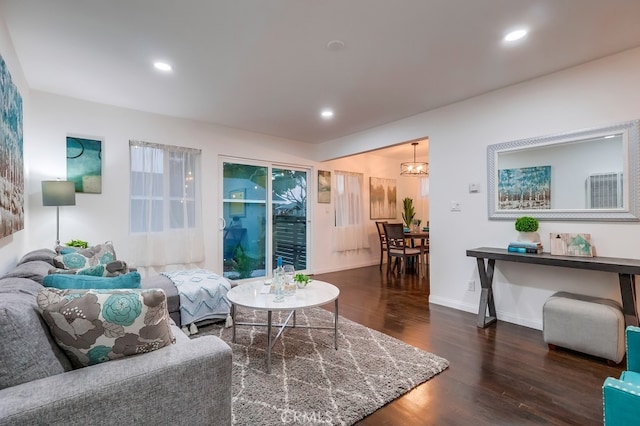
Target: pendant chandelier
{"points": [[414, 168]]}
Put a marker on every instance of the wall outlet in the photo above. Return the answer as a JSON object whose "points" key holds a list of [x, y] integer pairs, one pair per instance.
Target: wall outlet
{"points": [[471, 286]]}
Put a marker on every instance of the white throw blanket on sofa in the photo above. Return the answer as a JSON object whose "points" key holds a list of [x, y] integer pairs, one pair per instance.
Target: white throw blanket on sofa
{"points": [[203, 295]]}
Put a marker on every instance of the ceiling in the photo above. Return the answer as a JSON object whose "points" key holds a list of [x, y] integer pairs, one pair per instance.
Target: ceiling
{"points": [[264, 65]]}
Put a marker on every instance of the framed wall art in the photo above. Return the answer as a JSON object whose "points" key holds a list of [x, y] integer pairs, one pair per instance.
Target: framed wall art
{"points": [[84, 164], [11, 155], [324, 186], [237, 209], [524, 188], [571, 244], [382, 198]]}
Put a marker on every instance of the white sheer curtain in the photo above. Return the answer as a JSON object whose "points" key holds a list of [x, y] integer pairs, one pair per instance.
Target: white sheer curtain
{"points": [[165, 207], [350, 232], [424, 187]]}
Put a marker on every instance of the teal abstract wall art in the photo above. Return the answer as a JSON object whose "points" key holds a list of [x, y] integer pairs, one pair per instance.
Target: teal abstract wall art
{"points": [[11, 155], [525, 188], [84, 164]]}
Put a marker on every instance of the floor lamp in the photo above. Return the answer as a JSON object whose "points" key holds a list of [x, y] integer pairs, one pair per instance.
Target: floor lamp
{"points": [[58, 193]]}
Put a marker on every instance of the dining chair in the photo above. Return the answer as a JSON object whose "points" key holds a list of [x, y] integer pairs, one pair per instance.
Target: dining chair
{"points": [[383, 240], [397, 248], [423, 246], [420, 240]]}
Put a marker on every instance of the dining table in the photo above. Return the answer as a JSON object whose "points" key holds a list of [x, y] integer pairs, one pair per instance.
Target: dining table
{"points": [[423, 237]]}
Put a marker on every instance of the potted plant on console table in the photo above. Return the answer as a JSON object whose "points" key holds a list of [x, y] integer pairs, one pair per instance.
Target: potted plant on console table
{"points": [[528, 238], [527, 227]]}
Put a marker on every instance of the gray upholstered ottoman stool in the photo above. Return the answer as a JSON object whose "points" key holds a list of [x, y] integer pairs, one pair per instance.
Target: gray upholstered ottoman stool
{"points": [[586, 324]]}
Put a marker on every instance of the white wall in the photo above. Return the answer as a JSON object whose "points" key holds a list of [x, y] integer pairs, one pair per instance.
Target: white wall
{"points": [[13, 246], [595, 94], [100, 217], [370, 165], [96, 218]]}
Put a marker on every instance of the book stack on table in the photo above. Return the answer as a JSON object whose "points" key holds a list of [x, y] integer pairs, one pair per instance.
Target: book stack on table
{"points": [[525, 247]]}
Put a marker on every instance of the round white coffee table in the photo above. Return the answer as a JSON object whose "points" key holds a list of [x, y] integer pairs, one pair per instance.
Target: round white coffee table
{"points": [[256, 295]]}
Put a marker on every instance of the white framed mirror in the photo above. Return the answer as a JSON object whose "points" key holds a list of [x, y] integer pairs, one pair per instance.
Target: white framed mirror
{"points": [[588, 175]]}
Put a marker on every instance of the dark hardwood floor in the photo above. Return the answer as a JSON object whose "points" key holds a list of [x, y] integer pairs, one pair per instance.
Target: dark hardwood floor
{"points": [[501, 375]]}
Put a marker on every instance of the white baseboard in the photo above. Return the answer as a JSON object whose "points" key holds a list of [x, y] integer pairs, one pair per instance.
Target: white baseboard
{"points": [[343, 267], [451, 303], [525, 322], [502, 316]]}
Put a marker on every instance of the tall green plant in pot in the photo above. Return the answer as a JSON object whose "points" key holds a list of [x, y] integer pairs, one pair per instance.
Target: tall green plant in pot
{"points": [[408, 212]]}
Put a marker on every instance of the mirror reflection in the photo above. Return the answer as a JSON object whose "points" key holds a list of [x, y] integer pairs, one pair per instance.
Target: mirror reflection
{"points": [[584, 175]]}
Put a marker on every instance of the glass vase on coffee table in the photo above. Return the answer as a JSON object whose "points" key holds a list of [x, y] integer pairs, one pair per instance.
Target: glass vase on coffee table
{"points": [[289, 283]]}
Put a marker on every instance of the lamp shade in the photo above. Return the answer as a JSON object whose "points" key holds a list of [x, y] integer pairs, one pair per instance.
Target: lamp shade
{"points": [[58, 193]]}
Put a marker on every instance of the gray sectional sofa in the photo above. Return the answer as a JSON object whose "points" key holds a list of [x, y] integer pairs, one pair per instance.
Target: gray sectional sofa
{"points": [[173, 297], [188, 382]]}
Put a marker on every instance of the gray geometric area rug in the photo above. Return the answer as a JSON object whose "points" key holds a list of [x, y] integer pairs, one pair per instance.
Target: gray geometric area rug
{"points": [[310, 381]]}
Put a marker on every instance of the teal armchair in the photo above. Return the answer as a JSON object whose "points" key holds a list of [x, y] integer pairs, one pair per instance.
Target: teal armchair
{"points": [[621, 397]]}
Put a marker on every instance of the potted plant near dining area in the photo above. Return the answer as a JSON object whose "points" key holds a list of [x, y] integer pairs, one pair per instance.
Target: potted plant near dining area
{"points": [[408, 211]]}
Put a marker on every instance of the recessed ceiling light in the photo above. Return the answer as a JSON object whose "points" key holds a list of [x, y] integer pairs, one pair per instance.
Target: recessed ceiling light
{"points": [[515, 35], [162, 66], [326, 114], [335, 45]]}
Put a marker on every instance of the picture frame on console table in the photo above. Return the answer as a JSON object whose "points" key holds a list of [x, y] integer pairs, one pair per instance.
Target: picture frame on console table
{"points": [[571, 244]]}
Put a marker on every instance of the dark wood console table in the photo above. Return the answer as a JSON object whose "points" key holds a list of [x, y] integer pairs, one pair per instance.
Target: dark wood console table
{"points": [[626, 269]]}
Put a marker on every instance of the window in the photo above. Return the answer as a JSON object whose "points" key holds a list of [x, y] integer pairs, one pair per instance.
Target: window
{"points": [[165, 217], [163, 187], [349, 232]]}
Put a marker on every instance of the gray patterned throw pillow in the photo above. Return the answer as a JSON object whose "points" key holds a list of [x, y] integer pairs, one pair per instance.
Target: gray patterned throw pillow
{"points": [[94, 326]]}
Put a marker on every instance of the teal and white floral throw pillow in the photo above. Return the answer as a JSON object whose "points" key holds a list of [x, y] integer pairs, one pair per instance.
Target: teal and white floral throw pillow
{"points": [[100, 254], [94, 326]]}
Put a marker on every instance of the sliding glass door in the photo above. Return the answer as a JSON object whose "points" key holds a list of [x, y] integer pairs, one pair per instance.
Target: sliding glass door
{"points": [[244, 212], [289, 216], [253, 235]]}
